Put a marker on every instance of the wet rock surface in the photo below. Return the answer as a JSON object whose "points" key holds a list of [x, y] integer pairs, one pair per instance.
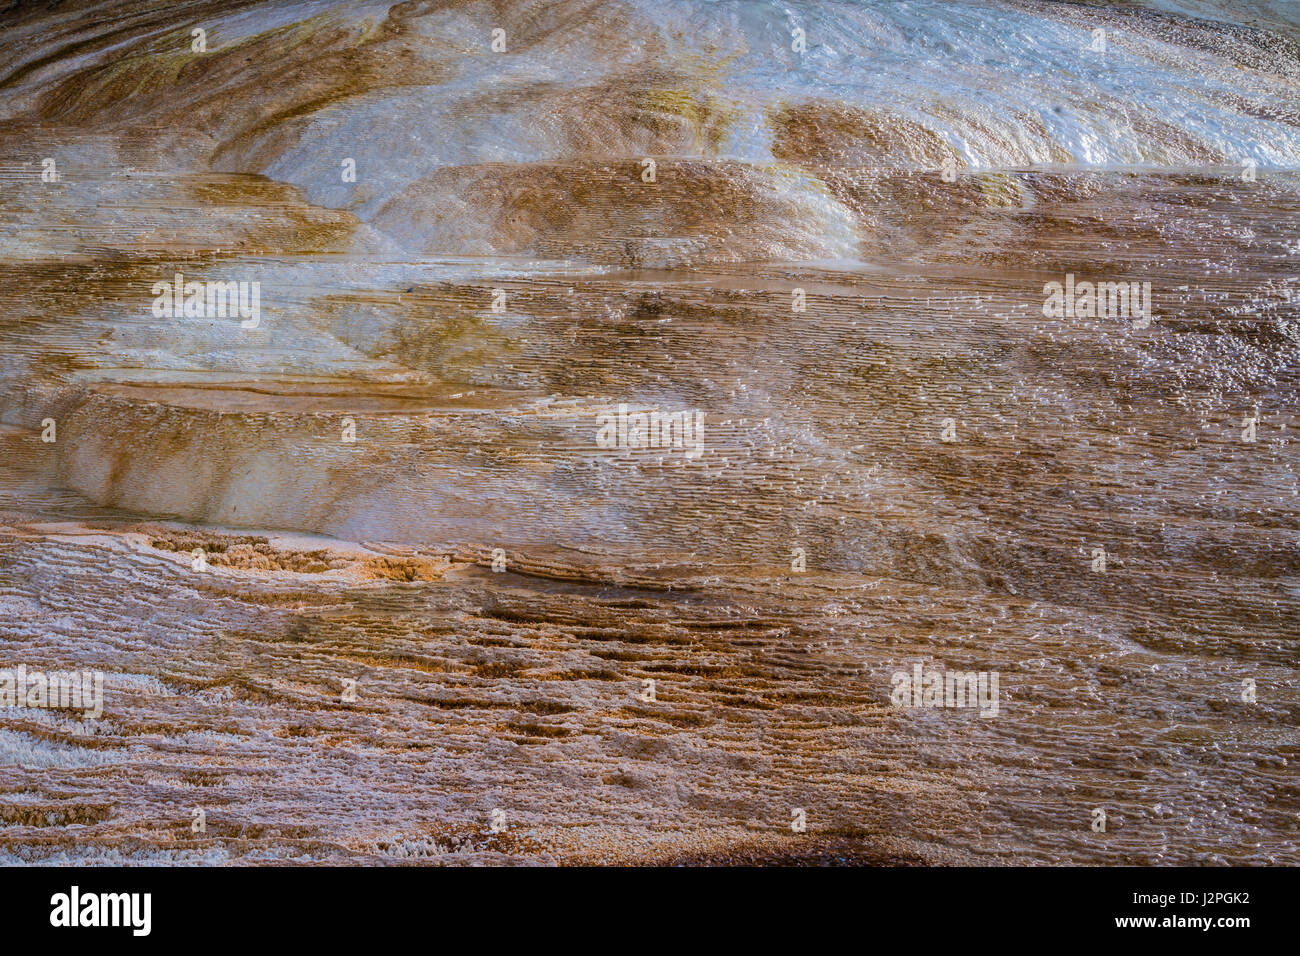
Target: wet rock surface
{"points": [[362, 580]]}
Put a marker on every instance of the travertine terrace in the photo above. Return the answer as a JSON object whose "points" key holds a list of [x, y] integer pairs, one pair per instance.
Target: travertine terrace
{"points": [[365, 588]]}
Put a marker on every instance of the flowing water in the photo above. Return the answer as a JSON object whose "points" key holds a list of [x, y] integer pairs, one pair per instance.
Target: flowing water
{"points": [[394, 473]]}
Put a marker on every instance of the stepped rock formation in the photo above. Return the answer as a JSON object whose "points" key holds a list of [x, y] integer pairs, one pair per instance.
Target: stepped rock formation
{"points": [[367, 583]]}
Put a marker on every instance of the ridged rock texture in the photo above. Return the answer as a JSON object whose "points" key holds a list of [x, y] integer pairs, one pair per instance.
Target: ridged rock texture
{"points": [[375, 573]]}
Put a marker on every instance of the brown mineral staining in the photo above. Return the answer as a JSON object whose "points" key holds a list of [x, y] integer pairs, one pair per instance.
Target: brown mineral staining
{"points": [[350, 468], [256, 553], [249, 552], [52, 814], [604, 212], [834, 133], [453, 844], [403, 569]]}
